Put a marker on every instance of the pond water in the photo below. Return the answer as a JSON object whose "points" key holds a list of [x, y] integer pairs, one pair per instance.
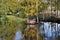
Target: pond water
{"points": [[49, 30], [18, 35]]}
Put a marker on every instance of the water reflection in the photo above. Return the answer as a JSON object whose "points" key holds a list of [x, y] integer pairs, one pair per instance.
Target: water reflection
{"points": [[18, 35], [0, 38], [50, 30], [47, 29]]}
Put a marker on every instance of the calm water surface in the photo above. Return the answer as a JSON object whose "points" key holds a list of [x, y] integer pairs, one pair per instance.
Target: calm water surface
{"points": [[47, 29]]}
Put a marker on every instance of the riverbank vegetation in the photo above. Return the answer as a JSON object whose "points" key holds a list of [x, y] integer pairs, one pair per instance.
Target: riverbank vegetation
{"points": [[14, 13]]}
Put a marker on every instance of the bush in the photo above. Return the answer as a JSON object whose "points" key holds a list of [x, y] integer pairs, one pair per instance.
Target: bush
{"points": [[9, 26]]}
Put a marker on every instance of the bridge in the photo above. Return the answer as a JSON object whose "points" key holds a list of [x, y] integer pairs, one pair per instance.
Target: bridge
{"points": [[50, 17]]}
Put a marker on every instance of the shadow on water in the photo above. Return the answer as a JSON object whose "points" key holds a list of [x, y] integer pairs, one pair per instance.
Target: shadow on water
{"points": [[50, 31]]}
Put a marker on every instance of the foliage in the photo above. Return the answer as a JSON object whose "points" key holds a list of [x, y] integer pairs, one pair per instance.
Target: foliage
{"points": [[20, 9], [26, 7], [31, 34], [30, 6], [9, 26]]}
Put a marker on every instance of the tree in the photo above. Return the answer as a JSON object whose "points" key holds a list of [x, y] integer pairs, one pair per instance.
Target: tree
{"points": [[31, 6], [9, 26]]}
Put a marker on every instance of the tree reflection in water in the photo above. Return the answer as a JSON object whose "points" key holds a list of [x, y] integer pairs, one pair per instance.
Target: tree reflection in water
{"points": [[49, 30]]}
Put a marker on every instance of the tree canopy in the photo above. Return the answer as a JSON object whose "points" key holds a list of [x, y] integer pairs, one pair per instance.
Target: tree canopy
{"points": [[13, 12]]}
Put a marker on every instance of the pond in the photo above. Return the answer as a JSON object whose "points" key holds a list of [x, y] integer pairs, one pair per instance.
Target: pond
{"points": [[49, 30], [18, 35]]}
